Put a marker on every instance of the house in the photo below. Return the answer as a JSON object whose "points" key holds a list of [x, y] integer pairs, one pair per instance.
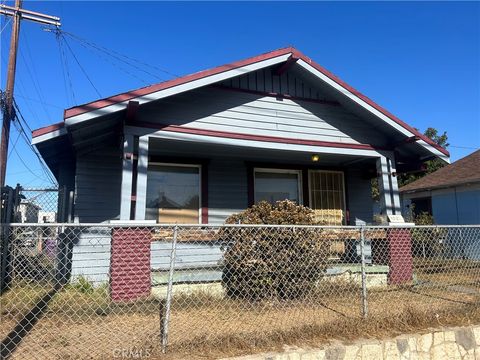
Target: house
{"points": [[27, 212], [451, 194], [46, 217], [198, 148]]}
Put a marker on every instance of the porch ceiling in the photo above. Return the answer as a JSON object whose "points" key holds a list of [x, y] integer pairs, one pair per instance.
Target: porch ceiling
{"points": [[184, 149]]}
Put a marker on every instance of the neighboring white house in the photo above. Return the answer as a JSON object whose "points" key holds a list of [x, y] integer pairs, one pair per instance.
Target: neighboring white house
{"points": [[451, 194], [46, 216], [27, 212]]}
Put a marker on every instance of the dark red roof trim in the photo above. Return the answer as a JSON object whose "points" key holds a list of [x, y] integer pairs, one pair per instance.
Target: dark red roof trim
{"points": [[170, 83], [295, 54], [275, 139], [370, 102], [48, 129]]}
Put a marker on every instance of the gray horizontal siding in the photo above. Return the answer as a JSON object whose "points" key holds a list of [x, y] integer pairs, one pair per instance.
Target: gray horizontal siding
{"points": [[227, 188], [246, 113], [359, 196], [98, 182]]}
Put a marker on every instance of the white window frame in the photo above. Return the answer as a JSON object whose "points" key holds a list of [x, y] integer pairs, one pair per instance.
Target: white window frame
{"points": [[279, 171], [199, 167], [342, 173]]}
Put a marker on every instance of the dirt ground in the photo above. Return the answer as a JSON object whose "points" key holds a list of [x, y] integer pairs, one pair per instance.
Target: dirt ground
{"points": [[82, 323], [211, 328]]}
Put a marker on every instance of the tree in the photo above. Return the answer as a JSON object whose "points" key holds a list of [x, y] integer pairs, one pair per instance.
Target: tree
{"points": [[430, 165]]}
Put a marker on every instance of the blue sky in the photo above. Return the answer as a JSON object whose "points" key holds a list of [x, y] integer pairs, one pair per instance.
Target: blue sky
{"points": [[419, 60]]}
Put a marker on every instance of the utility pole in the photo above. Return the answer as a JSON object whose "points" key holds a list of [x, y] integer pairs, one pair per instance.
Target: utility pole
{"points": [[18, 14]]}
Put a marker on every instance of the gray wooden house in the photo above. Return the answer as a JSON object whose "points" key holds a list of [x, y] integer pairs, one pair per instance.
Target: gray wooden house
{"points": [[198, 148]]}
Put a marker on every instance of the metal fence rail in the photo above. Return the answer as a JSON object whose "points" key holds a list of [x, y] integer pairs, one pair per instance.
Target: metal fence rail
{"points": [[103, 290]]}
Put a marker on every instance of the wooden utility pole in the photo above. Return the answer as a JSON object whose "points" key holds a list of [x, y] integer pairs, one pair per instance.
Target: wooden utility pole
{"points": [[17, 13]]}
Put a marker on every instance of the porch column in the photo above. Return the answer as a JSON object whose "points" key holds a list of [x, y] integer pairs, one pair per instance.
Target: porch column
{"points": [[388, 186], [400, 259], [127, 177], [141, 195]]}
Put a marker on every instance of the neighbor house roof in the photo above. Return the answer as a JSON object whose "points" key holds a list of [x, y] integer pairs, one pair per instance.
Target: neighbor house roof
{"points": [[287, 55], [463, 171]]}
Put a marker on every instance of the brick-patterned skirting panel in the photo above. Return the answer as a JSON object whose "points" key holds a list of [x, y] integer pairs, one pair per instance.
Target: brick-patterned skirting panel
{"points": [[443, 344], [400, 256], [130, 264]]}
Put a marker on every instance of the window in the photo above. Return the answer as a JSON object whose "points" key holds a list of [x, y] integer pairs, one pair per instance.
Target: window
{"points": [[173, 193], [277, 184], [327, 196]]}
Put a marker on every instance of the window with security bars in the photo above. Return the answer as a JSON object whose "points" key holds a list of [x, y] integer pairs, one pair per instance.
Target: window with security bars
{"points": [[327, 196]]}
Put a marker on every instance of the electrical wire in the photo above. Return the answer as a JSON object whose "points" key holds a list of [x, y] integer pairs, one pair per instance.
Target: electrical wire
{"points": [[143, 81], [80, 65], [14, 145], [21, 123], [65, 68], [119, 55], [33, 74], [6, 24], [34, 82]]}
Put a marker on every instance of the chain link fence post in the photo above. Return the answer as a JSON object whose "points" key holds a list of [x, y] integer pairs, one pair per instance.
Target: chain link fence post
{"points": [[364, 275], [168, 301]]}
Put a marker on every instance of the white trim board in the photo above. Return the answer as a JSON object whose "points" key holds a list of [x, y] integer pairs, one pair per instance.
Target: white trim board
{"points": [[170, 135], [194, 84], [368, 107]]}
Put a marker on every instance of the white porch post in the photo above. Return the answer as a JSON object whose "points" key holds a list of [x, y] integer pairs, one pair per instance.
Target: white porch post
{"points": [[388, 186], [142, 178], [397, 207], [127, 177]]}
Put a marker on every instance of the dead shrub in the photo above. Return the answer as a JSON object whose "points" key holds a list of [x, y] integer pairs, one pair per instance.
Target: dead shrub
{"points": [[273, 263]]}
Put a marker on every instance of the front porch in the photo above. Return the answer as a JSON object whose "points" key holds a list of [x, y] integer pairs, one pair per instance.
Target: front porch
{"points": [[196, 178]]}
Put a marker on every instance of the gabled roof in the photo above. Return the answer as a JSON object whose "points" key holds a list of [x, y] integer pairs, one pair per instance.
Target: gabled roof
{"points": [[463, 171], [154, 92]]}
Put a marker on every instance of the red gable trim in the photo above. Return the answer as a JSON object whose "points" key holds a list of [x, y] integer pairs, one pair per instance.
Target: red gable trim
{"points": [[170, 83], [369, 101], [295, 54], [275, 139], [47, 129]]}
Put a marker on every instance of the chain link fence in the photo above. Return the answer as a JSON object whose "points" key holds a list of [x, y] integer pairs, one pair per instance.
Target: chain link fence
{"points": [[37, 205], [106, 291]]}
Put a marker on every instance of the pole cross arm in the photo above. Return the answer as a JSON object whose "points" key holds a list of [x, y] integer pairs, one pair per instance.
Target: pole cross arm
{"points": [[30, 15]]}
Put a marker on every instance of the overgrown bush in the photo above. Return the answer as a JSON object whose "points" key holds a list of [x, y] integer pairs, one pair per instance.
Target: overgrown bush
{"points": [[83, 285], [277, 262], [427, 242], [32, 267]]}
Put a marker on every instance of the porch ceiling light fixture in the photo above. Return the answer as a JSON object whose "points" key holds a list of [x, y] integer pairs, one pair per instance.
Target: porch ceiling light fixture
{"points": [[315, 157]]}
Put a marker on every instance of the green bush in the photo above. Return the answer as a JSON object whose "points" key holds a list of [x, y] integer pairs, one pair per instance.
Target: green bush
{"points": [[277, 262], [83, 285], [427, 242]]}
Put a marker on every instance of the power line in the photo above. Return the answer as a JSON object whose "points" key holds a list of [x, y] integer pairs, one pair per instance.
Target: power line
{"points": [[6, 24], [464, 147], [117, 54], [20, 95], [65, 68], [20, 118], [34, 80], [80, 66], [14, 144], [143, 81]]}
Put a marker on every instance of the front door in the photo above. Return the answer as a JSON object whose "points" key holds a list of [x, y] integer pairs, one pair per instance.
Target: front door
{"points": [[327, 196]]}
